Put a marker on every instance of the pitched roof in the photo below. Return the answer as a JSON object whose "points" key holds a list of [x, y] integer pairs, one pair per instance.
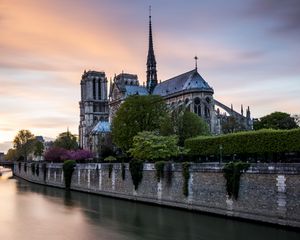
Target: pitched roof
{"points": [[185, 81], [101, 127], [132, 90]]}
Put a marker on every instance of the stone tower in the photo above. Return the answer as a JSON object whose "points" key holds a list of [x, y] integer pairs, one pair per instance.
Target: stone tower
{"points": [[93, 105], [151, 62]]}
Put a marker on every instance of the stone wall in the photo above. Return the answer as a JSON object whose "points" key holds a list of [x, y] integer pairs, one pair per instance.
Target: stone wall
{"points": [[268, 193]]}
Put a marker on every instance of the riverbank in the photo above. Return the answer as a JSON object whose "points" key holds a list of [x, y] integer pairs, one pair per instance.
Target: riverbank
{"points": [[268, 193]]}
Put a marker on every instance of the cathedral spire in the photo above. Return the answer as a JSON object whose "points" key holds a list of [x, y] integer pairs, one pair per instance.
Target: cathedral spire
{"points": [[151, 62]]}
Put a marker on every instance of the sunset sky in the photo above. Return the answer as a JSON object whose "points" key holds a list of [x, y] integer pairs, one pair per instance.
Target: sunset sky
{"points": [[248, 52]]}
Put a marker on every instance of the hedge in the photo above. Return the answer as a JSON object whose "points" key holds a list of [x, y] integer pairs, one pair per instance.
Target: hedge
{"points": [[253, 142]]}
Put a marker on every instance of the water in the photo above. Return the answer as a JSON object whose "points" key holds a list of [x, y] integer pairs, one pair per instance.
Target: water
{"points": [[30, 211]]}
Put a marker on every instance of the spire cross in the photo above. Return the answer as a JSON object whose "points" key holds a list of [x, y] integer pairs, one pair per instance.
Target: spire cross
{"points": [[150, 11], [196, 62]]}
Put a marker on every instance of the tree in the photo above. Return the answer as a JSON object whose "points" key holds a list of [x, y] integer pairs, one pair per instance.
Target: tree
{"points": [[276, 120], [137, 114], [192, 126], [150, 146], [231, 125], [11, 155], [24, 143], [78, 155], [185, 124], [38, 148], [66, 140], [56, 154]]}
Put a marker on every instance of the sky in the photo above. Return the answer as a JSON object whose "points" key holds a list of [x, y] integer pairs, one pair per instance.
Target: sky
{"points": [[248, 52]]}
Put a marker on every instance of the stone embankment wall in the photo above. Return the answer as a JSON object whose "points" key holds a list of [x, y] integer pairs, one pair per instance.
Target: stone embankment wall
{"points": [[268, 193]]}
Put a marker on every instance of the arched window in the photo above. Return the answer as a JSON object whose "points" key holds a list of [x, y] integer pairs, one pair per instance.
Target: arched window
{"points": [[187, 105], [197, 106], [207, 112]]}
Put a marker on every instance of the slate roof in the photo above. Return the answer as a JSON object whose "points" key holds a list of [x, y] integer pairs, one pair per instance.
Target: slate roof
{"points": [[132, 90], [185, 81], [102, 127]]}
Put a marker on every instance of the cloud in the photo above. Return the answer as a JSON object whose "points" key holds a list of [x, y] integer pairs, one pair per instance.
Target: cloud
{"points": [[4, 146], [50, 122], [285, 15]]}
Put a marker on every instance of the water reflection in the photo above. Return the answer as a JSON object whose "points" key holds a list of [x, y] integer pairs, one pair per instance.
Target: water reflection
{"points": [[75, 215]]}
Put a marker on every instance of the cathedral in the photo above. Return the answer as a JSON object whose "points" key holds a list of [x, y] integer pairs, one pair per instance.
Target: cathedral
{"points": [[189, 89]]}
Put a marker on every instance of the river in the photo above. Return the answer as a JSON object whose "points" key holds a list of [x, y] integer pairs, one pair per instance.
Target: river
{"points": [[35, 212]]}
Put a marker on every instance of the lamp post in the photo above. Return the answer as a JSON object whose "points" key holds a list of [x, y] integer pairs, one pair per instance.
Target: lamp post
{"points": [[220, 148]]}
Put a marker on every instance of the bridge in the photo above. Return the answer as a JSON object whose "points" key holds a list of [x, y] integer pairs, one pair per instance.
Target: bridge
{"points": [[7, 164]]}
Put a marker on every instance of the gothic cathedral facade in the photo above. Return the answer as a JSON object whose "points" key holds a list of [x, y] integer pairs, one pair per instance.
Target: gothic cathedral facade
{"points": [[189, 89]]}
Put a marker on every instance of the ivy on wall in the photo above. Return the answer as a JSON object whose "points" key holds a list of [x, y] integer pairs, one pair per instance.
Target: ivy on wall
{"points": [[110, 169], [68, 169], [123, 171], [32, 168], [136, 170], [186, 177], [97, 171], [159, 166], [168, 173], [37, 169], [232, 173], [44, 168]]}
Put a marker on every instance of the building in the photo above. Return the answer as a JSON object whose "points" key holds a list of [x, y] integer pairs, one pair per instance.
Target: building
{"points": [[93, 105], [188, 89]]}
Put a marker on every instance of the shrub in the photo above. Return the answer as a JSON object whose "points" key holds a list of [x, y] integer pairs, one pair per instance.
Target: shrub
{"points": [[150, 146], [136, 170], [232, 173], [68, 169], [159, 166], [254, 142], [110, 159], [186, 177]]}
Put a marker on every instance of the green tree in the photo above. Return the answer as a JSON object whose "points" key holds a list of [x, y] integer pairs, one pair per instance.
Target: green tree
{"points": [[150, 146], [276, 120], [297, 119], [185, 124], [24, 143], [11, 155], [38, 148], [66, 140], [137, 114]]}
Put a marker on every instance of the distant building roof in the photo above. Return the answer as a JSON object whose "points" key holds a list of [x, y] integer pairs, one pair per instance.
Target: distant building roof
{"points": [[40, 138], [135, 90], [185, 81], [126, 76], [102, 127]]}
